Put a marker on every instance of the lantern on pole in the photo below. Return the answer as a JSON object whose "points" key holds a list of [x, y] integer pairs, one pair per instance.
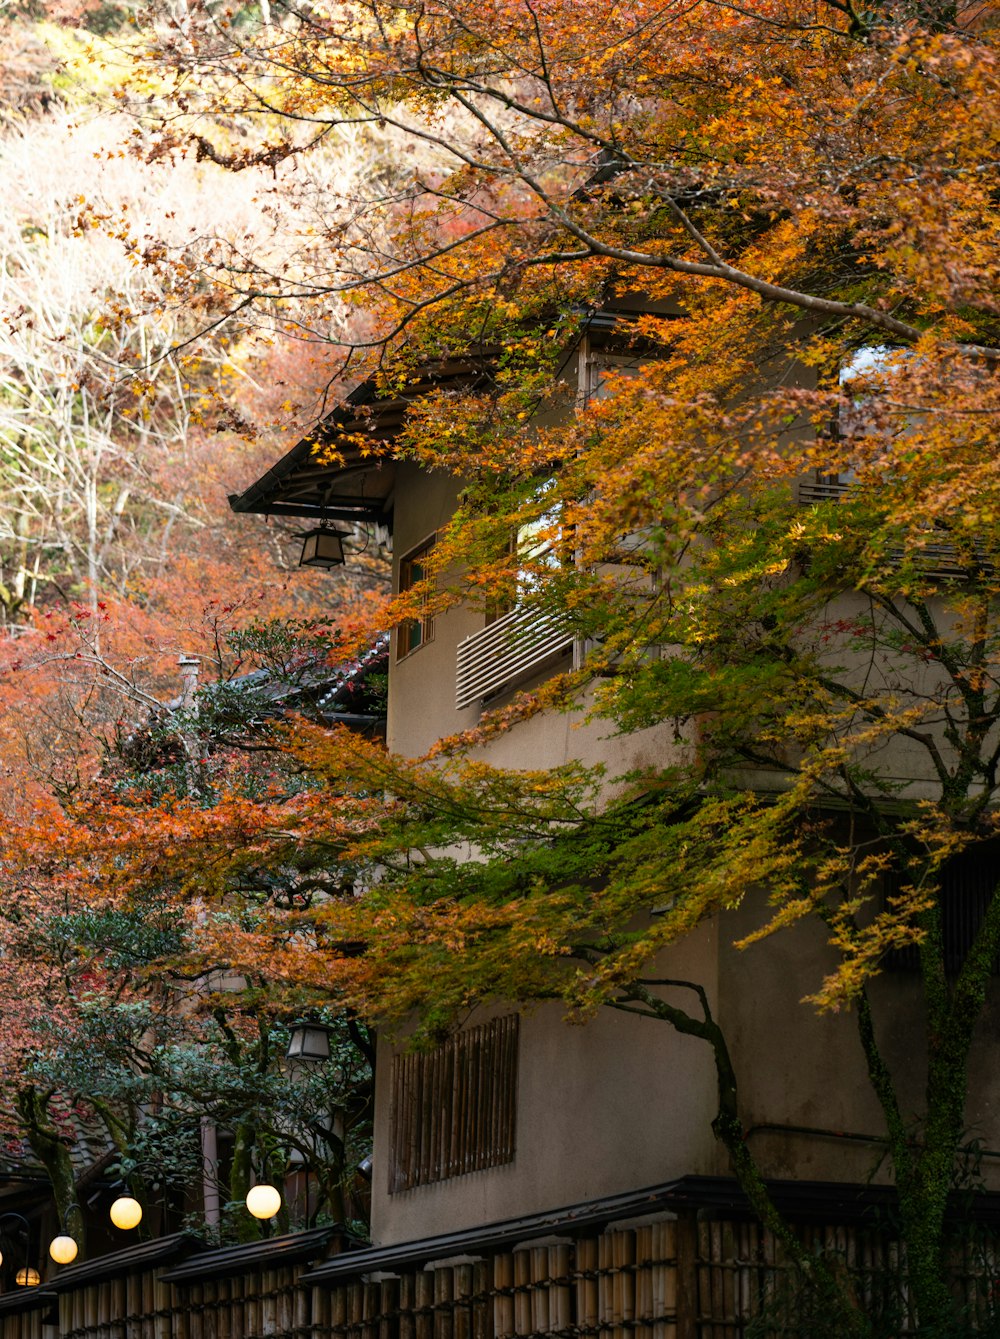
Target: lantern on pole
{"points": [[63, 1249], [263, 1201], [26, 1277], [126, 1212]]}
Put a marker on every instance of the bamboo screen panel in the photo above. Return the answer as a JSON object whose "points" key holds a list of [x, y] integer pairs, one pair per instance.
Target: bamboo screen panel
{"points": [[744, 1275], [131, 1306], [23, 1325], [261, 1304], [619, 1285], [454, 1109]]}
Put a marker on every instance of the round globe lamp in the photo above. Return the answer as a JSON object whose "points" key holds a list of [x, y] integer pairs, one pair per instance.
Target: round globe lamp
{"points": [[126, 1212], [63, 1250], [27, 1278], [263, 1201]]}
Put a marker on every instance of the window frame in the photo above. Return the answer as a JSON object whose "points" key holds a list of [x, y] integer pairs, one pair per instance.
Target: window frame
{"points": [[405, 647]]}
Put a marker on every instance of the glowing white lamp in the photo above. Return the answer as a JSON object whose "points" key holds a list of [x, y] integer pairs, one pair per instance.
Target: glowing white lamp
{"points": [[263, 1201], [63, 1250], [126, 1212], [27, 1278]]}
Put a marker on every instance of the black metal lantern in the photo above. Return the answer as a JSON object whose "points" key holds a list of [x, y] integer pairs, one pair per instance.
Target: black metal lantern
{"points": [[27, 1276], [323, 547], [309, 1041]]}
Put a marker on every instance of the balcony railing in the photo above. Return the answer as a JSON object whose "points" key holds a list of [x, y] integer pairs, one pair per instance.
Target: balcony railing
{"points": [[827, 488], [505, 651], [935, 560]]}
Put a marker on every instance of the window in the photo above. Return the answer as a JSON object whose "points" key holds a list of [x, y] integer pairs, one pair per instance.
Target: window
{"points": [[967, 882], [535, 545], [598, 372], [454, 1108], [414, 632], [520, 638], [862, 380]]}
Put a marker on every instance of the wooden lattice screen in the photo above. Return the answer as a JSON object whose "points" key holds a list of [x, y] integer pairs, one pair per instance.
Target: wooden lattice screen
{"points": [[454, 1108], [138, 1305], [265, 1304], [661, 1279]]}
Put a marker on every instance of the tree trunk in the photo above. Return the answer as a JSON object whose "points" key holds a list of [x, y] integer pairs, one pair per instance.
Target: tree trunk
{"points": [[729, 1130], [239, 1181], [53, 1153]]}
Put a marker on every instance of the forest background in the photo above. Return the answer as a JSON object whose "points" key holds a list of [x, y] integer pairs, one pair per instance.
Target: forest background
{"points": [[138, 618]]}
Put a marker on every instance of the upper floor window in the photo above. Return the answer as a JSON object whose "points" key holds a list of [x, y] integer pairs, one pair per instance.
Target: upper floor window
{"points": [[538, 543], [414, 632], [862, 380], [454, 1108], [520, 639], [967, 887], [600, 373]]}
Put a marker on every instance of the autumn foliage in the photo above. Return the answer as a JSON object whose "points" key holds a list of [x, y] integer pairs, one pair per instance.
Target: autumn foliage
{"points": [[775, 524]]}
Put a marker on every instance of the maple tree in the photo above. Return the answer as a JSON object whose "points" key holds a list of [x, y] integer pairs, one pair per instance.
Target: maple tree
{"points": [[117, 1021], [539, 150], [774, 188]]}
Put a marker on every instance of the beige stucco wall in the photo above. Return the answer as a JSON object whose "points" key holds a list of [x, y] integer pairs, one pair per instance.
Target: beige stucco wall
{"points": [[795, 1066], [800, 1067], [623, 1103], [616, 1104], [613, 1105], [422, 684]]}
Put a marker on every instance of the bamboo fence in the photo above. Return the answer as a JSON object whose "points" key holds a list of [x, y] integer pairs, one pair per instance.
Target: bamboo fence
{"points": [[667, 1278]]}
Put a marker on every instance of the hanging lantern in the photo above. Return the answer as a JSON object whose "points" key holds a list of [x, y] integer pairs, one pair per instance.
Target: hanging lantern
{"points": [[263, 1201], [27, 1277], [63, 1250], [126, 1212], [309, 1041], [322, 548]]}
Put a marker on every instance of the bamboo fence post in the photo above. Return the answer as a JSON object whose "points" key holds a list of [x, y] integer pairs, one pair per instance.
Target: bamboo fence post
{"points": [[463, 1304], [211, 1312], [224, 1303], [522, 1292], [285, 1306], [423, 1305], [688, 1308], [587, 1300], [444, 1293], [407, 1306], [503, 1296], [538, 1295], [560, 1296]]}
